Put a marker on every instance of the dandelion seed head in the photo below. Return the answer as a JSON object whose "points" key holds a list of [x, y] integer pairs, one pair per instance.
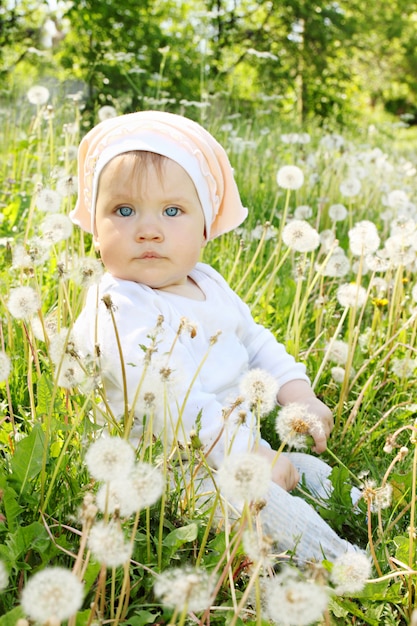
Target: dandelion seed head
{"points": [[48, 200], [87, 271], [351, 295], [56, 227], [258, 548], [148, 482], [108, 544], [5, 366], [61, 344], [109, 458], [303, 212], [350, 572], [38, 95], [244, 476], [117, 497], [266, 230], [52, 593], [259, 388], [327, 240], [377, 262], [337, 265], [49, 327], [338, 374], [294, 423], [67, 185], [70, 373], [23, 303], [350, 187], [332, 141], [403, 368], [338, 351], [106, 113], [377, 497], [338, 212], [291, 601], [363, 238], [397, 199], [300, 236], [290, 177], [185, 587]]}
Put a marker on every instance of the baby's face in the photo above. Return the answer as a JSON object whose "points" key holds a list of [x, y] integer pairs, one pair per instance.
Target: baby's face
{"points": [[149, 228]]}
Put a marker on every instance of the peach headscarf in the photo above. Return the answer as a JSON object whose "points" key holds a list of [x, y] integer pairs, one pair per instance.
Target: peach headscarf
{"points": [[170, 135]]}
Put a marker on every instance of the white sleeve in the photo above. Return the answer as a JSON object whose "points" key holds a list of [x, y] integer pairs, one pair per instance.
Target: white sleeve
{"points": [[136, 322], [264, 351]]}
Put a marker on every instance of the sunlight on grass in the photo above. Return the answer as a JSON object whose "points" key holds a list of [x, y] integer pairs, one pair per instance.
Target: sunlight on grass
{"points": [[329, 265]]}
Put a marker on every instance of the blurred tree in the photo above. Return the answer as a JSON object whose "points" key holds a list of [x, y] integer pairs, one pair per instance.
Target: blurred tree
{"points": [[130, 52], [314, 58]]}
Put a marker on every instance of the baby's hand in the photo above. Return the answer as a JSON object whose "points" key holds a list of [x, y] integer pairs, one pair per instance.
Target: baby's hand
{"points": [[284, 472], [325, 422], [300, 391]]}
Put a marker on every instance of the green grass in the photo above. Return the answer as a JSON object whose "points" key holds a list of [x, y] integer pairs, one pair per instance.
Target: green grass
{"points": [[45, 430]]}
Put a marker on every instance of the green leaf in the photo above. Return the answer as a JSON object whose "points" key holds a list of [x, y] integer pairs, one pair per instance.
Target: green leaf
{"points": [[142, 618], [25, 538], [27, 461], [179, 536], [11, 507], [10, 619], [44, 395]]}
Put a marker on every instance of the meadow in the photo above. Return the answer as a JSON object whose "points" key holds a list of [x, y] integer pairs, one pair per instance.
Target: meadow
{"points": [[327, 259]]}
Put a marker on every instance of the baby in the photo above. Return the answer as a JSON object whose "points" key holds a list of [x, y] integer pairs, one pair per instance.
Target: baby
{"points": [[154, 188]]}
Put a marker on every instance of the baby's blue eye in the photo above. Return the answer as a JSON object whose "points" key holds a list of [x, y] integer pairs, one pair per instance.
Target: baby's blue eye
{"points": [[124, 211], [172, 211]]}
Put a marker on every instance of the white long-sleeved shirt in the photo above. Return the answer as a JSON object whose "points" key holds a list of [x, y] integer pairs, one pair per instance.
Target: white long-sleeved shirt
{"points": [[206, 373]]}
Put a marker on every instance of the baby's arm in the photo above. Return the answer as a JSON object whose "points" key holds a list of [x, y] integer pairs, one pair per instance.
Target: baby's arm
{"points": [[300, 391]]}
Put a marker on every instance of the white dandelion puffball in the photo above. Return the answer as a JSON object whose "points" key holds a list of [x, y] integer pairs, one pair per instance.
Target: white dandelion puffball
{"points": [[350, 572], [110, 458], [5, 366], [67, 185], [338, 351], [148, 483], [54, 592], [259, 388], [70, 373], [87, 271], [300, 236], [338, 212], [56, 227], [290, 601], [185, 588], [363, 238], [106, 112], [303, 212], [294, 423], [38, 95], [337, 265], [350, 187], [338, 374], [290, 177], [23, 303], [397, 199], [108, 544], [351, 295], [244, 476], [48, 200]]}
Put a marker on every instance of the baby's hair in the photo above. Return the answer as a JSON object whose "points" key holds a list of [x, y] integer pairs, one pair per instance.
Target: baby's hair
{"points": [[142, 160]]}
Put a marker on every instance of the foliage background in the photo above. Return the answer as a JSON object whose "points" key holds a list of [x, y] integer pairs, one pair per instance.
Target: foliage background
{"points": [[312, 58]]}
